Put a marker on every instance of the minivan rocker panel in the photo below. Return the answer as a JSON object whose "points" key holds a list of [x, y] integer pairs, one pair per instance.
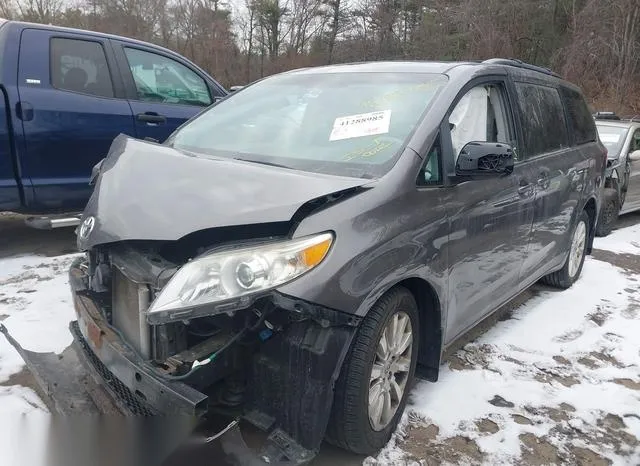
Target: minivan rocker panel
{"points": [[303, 289]]}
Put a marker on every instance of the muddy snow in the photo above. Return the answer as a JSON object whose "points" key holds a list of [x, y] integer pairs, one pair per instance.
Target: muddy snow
{"points": [[557, 381]]}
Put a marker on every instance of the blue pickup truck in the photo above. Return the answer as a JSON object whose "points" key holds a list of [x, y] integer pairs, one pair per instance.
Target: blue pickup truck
{"points": [[67, 93]]}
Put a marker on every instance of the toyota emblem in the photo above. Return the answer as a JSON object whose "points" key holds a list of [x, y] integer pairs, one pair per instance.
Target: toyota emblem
{"points": [[87, 227]]}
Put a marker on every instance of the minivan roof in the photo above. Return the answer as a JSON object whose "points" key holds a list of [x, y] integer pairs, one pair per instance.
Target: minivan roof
{"points": [[515, 67]]}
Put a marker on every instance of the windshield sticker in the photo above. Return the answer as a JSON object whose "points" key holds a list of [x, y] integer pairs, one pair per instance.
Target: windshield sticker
{"points": [[370, 151], [610, 138], [364, 124]]}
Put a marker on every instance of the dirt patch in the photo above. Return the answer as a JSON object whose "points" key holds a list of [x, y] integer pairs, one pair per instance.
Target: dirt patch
{"points": [[587, 457], [599, 317], [538, 451], [422, 445], [631, 384], [487, 426], [523, 421], [20, 239], [550, 376], [588, 362], [3, 317], [607, 358], [471, 357], [14, 302], [562, 360], [628, 262], [569, 336], [555, 414], [23, 378], [500, 402]]}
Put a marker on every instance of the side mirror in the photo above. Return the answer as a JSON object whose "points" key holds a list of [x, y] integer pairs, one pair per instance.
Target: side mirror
{"points": [[95, 171], [480, 160], [635, 156]]}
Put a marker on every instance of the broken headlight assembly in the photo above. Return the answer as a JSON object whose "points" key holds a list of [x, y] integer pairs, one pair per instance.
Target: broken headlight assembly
{"points": [[230, 279]]}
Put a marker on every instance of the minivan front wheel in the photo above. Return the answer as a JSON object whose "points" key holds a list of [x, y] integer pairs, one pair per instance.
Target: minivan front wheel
{"points": [[570, 272], [377, 375]]}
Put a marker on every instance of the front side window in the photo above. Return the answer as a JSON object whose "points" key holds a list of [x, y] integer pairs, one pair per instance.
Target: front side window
{"points": [[543, 122], [80, 66], [480, 116], [613, 138], [580, 118], [347, 123], [161, 79]]}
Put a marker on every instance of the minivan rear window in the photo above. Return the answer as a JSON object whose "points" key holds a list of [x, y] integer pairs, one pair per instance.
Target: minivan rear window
{"points": [[580, 119], [543, 121]]}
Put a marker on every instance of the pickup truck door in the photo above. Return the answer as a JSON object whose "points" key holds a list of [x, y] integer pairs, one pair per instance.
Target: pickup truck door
{"points": [[9, 193], [71, 107], [164, 90]]}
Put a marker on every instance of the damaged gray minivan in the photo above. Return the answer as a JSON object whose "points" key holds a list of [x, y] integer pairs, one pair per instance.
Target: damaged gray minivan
{"points": [[299, 252]]}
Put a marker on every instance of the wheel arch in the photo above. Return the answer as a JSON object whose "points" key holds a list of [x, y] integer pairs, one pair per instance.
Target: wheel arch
{"points": [[431, 316]]}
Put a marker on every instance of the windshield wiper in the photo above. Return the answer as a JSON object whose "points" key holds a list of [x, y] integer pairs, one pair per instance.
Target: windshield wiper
{"points": [[261, 162]]}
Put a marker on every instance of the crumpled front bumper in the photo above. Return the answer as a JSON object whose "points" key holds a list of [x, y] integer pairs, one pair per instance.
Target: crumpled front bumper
{"points": [[138, 389], [290, 394]]}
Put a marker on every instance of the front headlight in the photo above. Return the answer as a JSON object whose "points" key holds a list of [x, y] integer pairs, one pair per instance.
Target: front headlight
{"points": [[230, 279]]}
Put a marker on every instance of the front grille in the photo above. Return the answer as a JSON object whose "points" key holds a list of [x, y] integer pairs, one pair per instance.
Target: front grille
{"points": [[134, 404]]}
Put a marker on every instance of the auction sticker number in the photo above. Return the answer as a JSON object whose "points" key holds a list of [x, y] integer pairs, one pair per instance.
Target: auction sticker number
{"points": [[364, 124]]}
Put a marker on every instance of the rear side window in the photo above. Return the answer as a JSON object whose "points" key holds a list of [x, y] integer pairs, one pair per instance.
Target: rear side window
{"points": [[80, 66], [543, 121], [580, 119]]}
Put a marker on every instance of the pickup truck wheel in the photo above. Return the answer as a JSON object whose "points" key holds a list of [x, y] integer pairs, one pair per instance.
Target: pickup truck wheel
{"points": [[570, 272], [377, 375], [608, 213]]}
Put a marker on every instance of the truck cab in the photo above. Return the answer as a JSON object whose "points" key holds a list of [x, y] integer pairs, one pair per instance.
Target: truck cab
{"points": [[67, 93]]}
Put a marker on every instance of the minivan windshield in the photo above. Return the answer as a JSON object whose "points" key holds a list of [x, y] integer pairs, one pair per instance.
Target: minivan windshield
{"points": [[346, 123], [613, 138]]}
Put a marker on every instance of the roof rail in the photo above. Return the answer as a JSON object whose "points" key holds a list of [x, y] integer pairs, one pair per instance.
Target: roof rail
{"points": [[520, 64]]}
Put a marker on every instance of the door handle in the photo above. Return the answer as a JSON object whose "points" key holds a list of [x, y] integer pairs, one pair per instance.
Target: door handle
{"points": [[150, 117]]}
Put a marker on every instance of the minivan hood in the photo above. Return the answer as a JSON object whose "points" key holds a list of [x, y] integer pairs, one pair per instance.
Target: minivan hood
{"points": [[148, 191]]}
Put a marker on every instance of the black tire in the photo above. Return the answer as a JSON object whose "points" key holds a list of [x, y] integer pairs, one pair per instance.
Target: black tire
{"points": [[349, 426], [562, 279], [608, 213]]}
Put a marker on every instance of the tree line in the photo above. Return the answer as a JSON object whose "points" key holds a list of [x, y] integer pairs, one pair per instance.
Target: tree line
{"points": [[594, 43]]}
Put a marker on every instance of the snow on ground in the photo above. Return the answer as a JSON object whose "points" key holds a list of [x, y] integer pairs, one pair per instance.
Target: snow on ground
{"points": [[623, 241], [558, 382], [35, 305]]}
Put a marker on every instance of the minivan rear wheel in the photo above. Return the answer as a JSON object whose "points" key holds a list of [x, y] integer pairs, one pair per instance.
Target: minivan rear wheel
{"points": [[570, 272], [377, 375]]}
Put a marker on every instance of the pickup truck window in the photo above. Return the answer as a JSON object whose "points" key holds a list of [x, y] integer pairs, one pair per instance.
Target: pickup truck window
{"points": [[161, 79], [80, 66]]}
